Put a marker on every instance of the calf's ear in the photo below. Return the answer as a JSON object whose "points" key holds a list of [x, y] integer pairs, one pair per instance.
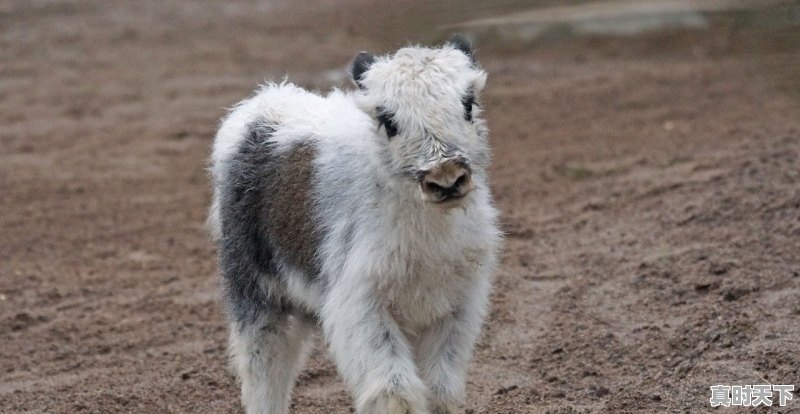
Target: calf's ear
{"points": [[462, 43], [361, 64]]}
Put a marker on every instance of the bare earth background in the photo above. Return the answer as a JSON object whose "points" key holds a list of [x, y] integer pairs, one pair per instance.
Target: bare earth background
{"points": [[648, 184]]}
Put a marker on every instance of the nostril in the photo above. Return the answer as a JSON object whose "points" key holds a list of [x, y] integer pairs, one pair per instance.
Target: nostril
{"points": [[435, 188], [459, 181]]}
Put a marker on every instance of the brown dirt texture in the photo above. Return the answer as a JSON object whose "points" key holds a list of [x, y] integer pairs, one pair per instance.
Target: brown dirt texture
{"points": [[649, 189]]}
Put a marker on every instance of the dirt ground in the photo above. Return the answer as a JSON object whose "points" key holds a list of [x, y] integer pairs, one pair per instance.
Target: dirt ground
{"points": [[648, 186]]}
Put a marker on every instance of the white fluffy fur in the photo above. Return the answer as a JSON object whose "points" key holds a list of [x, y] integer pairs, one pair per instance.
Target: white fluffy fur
{"points": [[407, 280]]}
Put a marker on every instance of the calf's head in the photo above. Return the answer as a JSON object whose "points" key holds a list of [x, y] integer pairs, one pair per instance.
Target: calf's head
{"points": [[427, 118]]}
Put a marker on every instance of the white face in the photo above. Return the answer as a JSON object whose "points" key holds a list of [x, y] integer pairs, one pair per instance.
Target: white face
{"points": [[424, 102]]}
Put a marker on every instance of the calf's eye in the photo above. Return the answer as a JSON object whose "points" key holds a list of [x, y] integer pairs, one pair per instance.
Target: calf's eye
{"points": [[386, 120], [468, 101]]}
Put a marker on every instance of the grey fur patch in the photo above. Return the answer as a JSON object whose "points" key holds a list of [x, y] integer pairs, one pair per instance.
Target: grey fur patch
{"points": [[265, 213], [349, 236]]}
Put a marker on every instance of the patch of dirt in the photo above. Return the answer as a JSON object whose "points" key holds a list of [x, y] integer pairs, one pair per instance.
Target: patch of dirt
{"points": [[649, 190]]}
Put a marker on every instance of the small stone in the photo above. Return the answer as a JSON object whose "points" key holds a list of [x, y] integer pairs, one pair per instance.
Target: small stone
{"points": [[505, 390], [600, 391], [733, 294]]}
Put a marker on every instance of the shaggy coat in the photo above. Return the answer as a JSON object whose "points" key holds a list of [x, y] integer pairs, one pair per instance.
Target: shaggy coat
{"points": [[365, 213]]}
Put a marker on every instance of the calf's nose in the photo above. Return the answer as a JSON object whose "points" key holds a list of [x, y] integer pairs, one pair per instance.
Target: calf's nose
{"points": [[447, 180]]}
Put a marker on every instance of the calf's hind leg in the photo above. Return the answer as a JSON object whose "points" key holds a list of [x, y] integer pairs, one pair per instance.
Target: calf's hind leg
{"points": [[267, 355]]}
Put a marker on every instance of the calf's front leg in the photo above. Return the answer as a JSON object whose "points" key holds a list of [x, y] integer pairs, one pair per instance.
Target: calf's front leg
{"points": [[445, 349], [372, 354]]}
